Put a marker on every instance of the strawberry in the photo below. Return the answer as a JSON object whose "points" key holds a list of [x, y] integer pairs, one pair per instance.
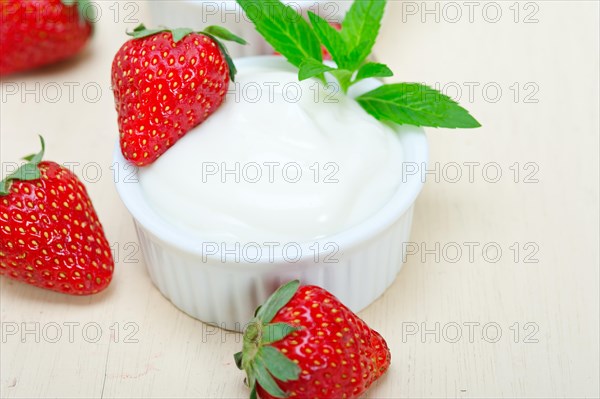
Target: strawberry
{"points": [[50, 236], [304, 343], [41, 32], [166, 82]]}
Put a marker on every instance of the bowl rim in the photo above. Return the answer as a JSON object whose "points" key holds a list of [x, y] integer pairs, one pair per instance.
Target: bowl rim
{"points": [[415, 151]]}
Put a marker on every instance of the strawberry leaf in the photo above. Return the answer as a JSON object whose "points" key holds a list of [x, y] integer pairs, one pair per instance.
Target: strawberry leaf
{"points": [[373, 70], [87, 11], [280, 367], [226, 55], [284, 29], [276, 331], [27, 171], [37, 158], [180, 33], [361, 27], [141, 31], [224, 34], [310, 68], [266, 381], [214, 32], [415, 104], [260, 361], [238, 360], [278, 300]]}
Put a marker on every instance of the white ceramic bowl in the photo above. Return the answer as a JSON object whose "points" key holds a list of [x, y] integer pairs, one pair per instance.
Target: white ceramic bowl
{"points": [[217, 288], [197, 14]]}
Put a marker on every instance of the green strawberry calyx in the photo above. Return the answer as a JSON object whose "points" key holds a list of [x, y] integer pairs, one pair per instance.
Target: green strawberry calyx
{"points": [[216, 33], [27, 171], [87, 10], [262, 362]]}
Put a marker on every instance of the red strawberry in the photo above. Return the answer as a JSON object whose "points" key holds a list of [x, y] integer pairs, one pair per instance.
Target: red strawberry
{"points": [[50, 235], [40, 32], [166, 82], [304, 343]]}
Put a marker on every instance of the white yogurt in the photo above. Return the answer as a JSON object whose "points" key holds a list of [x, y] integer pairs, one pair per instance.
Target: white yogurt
{"points": [[297, 164]]}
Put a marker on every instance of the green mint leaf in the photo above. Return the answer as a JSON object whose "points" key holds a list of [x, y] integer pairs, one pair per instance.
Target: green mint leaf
{"points": [[310, 68], [284, 29], [344, 78], [373, 70], [266, 381], [361, 27], [278, 300], [280, 366], [415, 104], [253, 394], [331, 39], [224, 34], [276, 332]]}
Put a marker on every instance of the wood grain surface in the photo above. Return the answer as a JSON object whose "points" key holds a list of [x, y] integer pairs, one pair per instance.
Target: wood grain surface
{"points": [[499, 296]]}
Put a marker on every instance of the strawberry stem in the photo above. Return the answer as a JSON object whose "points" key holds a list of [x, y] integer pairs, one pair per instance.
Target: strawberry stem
{"points": [[27, 171], [216, 33], [261, 362], [86, 11]]}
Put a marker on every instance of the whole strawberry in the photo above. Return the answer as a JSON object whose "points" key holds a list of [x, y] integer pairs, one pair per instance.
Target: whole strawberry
{"points": [[166, 82], [41, 32], [304, 343], [50, 236]]}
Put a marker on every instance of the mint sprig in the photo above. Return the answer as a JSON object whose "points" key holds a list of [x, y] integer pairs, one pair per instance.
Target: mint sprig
{"points": [[213, 31], [300, 42]]}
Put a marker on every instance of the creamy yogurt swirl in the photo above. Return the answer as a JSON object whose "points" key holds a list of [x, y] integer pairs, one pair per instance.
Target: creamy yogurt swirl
{"points": [[279, 161]]}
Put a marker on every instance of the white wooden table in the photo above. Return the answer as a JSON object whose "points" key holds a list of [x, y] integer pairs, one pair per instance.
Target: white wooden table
{"points": [[462, 319]]}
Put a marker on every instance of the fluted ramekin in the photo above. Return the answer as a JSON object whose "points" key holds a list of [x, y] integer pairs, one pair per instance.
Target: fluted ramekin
{"points": [[218, 287], [197, 14]]}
